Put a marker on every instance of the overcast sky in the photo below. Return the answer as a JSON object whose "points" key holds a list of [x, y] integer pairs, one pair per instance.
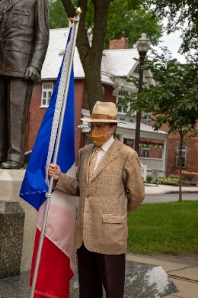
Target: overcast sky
{"points": [[173, 42]]}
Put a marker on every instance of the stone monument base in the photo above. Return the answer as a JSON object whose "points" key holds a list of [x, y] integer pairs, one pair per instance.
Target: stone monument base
{"points": [[10, 184], [142, 281], [11, 238]]}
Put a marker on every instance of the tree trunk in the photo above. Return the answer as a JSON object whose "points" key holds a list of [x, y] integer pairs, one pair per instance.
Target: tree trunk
{"points": [[91, 55]]}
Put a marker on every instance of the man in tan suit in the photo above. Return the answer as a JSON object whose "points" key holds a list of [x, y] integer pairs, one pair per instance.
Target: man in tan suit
{"points": [[108, 190]]}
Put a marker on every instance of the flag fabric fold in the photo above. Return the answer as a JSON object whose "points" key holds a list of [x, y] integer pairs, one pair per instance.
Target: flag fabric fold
{"points": [[57, 260]]}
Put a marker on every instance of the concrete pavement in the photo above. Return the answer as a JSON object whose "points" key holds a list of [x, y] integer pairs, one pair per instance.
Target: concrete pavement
{"points": [[161, 189]]}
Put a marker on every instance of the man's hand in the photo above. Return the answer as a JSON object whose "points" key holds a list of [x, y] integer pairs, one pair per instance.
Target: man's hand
{"points": [[32, 73], [54, 171]]}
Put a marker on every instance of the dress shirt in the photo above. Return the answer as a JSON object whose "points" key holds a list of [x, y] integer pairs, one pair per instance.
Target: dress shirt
{"points": [[103, 150]]}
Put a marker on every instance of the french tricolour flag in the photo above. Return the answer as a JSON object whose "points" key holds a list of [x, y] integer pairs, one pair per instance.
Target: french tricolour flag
{"points": [[57, 260]]}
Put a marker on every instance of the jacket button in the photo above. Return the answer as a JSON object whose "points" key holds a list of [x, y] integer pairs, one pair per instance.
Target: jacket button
{"points": [[87, 196]]}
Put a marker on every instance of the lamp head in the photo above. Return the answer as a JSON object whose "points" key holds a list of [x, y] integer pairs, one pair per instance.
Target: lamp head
{"points": [[143, 43]]}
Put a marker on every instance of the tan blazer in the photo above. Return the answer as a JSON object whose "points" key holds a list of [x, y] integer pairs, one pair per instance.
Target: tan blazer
{"points": [[116, 187]]}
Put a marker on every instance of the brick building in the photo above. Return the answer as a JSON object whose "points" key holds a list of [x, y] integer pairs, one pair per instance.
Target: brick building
{"points": [[157, 149]]}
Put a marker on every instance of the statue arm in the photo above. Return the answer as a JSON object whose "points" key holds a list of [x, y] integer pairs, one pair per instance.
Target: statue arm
{"points": [[41, 37]]}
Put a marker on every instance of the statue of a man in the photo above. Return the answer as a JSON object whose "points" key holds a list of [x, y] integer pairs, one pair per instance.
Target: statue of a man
{"points": [[24, 34]]}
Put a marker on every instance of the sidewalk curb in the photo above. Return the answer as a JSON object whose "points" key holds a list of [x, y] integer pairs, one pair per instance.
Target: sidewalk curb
{"points": [[185, 191]]}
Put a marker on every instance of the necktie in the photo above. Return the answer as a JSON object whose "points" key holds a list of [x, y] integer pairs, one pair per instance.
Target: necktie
{"points": [[92, 163]]}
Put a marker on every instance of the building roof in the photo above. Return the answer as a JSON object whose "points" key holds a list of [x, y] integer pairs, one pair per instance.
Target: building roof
{"points": [[54, 55], [115, 63]]}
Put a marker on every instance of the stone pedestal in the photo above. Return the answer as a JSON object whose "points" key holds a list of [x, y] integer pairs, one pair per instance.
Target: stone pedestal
{"points": [[10, 185], [11, 238]]}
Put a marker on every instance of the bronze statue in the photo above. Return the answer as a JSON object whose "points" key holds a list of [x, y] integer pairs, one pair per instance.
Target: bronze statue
{"points": [[24, 34]]}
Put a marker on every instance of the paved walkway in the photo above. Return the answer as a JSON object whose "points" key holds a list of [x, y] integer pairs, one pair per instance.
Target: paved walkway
{"points": [[161, 189]]}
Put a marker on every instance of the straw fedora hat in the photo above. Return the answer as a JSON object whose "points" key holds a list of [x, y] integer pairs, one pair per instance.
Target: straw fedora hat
{"points": [[105, 112]]}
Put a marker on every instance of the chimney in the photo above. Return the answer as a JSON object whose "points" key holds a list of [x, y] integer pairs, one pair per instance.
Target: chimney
{"points": [[119, 43]]}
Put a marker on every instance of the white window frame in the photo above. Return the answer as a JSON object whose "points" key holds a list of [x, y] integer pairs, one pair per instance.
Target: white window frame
{"points": [[47, 90], [120, 95], [143, 151], [120, 110], [184, 156]]}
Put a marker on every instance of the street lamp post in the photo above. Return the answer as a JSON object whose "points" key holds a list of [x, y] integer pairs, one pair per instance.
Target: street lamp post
{"points": [[143, 45]]}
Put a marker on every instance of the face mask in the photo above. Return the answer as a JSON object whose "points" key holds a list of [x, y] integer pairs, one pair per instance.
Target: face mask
{"points": [[98, 138]]}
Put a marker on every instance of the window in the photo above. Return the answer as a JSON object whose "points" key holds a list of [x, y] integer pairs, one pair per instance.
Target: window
{"points": [[47, 90], [144, 152], [121, 94], [123, 111], [184, 154]]}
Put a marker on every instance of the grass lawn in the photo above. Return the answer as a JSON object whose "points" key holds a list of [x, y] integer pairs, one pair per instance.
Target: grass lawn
{"points": [[164, 228]]}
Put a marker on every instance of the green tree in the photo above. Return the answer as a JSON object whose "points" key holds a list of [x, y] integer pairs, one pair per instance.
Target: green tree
{"points": [[174, 99], [181, 14], [131, 21], [124, 19], [57, 15], [93, 21]]}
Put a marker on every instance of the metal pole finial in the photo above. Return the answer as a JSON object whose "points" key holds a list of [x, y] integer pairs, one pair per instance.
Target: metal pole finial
{"points": [[78, 11], [77, 15]]}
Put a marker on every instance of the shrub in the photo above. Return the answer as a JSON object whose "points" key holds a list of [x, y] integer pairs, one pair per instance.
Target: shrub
{"points": [[167, 180], [149, 178]]}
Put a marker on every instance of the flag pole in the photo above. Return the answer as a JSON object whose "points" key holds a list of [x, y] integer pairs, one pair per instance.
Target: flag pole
{"points": [[57, 144]]}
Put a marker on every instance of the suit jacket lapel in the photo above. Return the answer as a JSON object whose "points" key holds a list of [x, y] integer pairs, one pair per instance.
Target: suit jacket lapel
{"points": [[109, 156], [87, 157]]}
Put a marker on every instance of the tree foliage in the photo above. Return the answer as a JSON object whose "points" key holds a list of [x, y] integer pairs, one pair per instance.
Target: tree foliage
{"points": [[181, 14], [126, 19], [174, 99], [57, 15]]}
